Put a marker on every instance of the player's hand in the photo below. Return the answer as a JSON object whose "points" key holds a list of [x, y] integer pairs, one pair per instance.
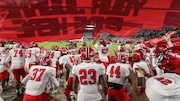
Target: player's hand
{"points": [[133, 74], [140, 70], [99, 34]]}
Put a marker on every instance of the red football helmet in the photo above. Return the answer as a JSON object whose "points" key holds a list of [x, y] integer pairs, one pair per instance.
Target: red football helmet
{"points": [[18, 45], [122, 49], [138, 55], [56, 48], [84, 44], [87, 53], [161, 47], [64, 51], [1, 44], [52, 48], [170, 59], [129, 41], [33, 44], [122, 42], [138, 41], [45, 61], [122, 58], [102, 41]]}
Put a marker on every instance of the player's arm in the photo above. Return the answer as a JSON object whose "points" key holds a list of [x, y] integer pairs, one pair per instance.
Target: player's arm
{"points": [[52, 77], [38, 56], [94, 41], [143, 72], [75, 84], [2, 62], [8, 59], [103, 82], [108, 39], [54, 81], [136, 95], [25, 80], [37, 59], [67, 66]]}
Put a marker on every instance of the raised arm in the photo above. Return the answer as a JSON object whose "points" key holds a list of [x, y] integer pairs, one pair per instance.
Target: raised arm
{"points": [[136, 95], [96, 38]]}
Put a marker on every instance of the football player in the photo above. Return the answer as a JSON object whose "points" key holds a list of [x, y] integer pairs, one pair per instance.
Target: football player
{"points": [[4, 74], [37, 79], [68, 61], [162, 87], [103, 49], [117, 74], [138, 59], [89, 75], [17, 58], [32, 55]]}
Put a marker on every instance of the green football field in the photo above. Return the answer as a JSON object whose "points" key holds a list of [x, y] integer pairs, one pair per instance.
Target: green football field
{"points": [[48, 45]]}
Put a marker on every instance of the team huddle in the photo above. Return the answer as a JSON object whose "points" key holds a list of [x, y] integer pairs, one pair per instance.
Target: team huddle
{"points": [[136, 72]]}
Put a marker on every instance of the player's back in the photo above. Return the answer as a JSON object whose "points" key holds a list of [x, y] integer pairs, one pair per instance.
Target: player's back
{"points": [[31, 54], [118, 72], [69, 59], [1, 49], [39, 76], [17, 56], [102, 50], [164, 87], [88, 74], [2, 61], [54, 55]]}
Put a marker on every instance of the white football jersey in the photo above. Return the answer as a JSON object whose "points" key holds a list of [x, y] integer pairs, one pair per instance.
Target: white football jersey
{"points": [[103, 51], [54, 56], [78, 58], [126, 48], [31, 54], [142, 64], [1, 50], [118, 72], [73, 51], [88, 76], [37, 79], [17, 58], [164, 87], [138, 46], [68, 59], [2, 62]]}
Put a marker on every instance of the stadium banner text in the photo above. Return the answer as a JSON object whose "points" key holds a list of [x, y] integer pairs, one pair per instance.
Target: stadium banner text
{"points": [[52, 20]]}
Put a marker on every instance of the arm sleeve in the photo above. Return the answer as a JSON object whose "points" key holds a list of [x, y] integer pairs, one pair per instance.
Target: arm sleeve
{"points": [[52, 77], [73, 70], [109, 45], [54, 81], [3, 60], [8, 59], [62, 60], [96, 46], [37, 52], [25, 80], [126, 71], [102, 69]]}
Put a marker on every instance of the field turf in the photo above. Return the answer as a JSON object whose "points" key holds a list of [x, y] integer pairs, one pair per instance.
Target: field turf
{"points": [[48, 45]]}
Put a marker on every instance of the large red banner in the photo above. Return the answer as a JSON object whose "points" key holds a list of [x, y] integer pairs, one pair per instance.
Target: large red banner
{"points": [[51, 20]]}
